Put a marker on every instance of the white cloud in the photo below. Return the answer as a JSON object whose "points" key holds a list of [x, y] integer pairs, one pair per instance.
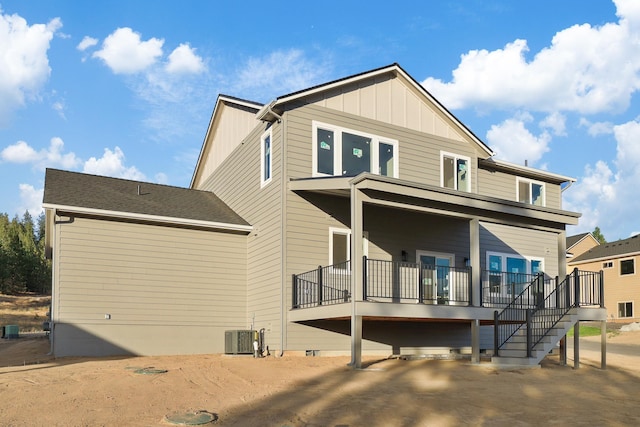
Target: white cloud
{"points": [[556, 122], [59, 108], [607, 195], [597, 128], [24, 65], [279, 73], [86, 43], [183, 59], [53, 156], [512, 141], [125, 53], [585, 69], [31, 199], [112, 164]]}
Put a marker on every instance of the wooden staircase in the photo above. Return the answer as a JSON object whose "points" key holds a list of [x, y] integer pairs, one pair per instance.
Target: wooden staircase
{"points": [[513, 353]]}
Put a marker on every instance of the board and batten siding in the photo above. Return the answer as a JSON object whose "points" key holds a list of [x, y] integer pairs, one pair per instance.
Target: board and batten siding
{"points": [[128, 288], [389, 99], [224, 138], [236, 181]]}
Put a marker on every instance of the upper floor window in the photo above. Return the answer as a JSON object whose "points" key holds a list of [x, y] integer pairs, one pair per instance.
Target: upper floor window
{"points": [[455, 171], [531, 192], [265, 158], [343, 152], [607, 264], [627, 267]]}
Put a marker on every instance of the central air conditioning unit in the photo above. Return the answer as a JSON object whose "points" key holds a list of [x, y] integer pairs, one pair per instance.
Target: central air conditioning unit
{"points": [[238, 342]]}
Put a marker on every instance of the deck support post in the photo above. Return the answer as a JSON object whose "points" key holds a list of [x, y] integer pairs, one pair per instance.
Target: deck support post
{"points": [[576, 345], [357, 269], [475, 341], [474, 259], [603, 344]]}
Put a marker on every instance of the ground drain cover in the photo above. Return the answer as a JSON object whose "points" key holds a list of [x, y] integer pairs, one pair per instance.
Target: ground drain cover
{"points": [[148, 371], [196, 418]]}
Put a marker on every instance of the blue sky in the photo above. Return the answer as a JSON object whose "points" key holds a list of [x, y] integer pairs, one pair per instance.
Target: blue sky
{"points": [[126, 89]]}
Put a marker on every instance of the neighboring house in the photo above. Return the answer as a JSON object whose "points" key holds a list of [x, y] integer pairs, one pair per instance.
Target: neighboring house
{"points": [[579, 244], [366, 218], [619, 264]]}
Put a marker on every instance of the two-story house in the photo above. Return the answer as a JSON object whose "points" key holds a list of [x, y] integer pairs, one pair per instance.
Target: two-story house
{"points": [[357, 216], [617, 260]]}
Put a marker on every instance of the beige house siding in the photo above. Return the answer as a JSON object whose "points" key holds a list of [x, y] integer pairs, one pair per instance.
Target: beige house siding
{"points": [[225, 135], [583, 246], [617, 288], [419, 153], [522, 241], [504, 186], [127, 288], [236, 181]]}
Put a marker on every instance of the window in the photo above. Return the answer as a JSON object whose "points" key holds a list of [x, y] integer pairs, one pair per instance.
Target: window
{"points": [[531, 192], [607, 264], [626, 267], [455, 172], [625, 309], [265, 159], [344, 152], [511, 273], [340, 247]]}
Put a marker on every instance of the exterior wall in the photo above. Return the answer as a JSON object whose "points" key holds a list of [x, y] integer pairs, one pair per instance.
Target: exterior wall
{"points": [[165, 290], [583, 246], [224, 137], [617, 288], [236, 181], [392, 101], [504, 186], [522, 241], [419, 152]]}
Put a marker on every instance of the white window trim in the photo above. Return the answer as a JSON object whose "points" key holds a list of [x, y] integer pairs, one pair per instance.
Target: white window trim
{"points": [[347, 232], [531, 181], [504, 255], [337, 149], [635, 267], [456, 157], [263, 137], [633, 309]]}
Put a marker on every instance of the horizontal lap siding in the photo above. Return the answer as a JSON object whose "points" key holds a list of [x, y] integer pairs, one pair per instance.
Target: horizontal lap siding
{"points": [[149, 279], [310, 216], [504, 186], [522, 241], [237, 182], [419, 159]]}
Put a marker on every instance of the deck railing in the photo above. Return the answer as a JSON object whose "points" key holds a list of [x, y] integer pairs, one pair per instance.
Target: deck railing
{"points": [[322, 286], [395, 281], [499, 288]]}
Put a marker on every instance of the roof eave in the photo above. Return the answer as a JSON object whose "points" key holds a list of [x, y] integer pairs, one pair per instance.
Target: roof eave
{"points": [[185, 222]]}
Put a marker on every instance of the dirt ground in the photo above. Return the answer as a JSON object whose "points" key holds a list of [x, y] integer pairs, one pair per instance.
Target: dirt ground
{"points": [[318, 391]]}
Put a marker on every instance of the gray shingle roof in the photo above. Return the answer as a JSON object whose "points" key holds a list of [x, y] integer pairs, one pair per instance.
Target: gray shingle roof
{"points": [[73, 189], [611, 249]]}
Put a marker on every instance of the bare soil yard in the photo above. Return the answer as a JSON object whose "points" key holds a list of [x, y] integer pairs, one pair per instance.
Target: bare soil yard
{"points": [[36, 390]]}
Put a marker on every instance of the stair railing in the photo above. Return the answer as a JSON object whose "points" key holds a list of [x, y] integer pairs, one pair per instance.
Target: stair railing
{"points": [[540, 315]]}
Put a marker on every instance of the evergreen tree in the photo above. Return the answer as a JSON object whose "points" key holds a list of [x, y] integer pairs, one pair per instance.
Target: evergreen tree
{"points": [[597, 234], [23, 265]]}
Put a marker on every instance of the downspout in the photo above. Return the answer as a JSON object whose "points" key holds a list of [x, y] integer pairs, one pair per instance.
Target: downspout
{"points": [[53, 280], [283, 240]]}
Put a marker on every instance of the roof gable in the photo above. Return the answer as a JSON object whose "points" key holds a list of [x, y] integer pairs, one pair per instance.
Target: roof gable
{"points": [[116, 197], [386, 94], [617, 249]]}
